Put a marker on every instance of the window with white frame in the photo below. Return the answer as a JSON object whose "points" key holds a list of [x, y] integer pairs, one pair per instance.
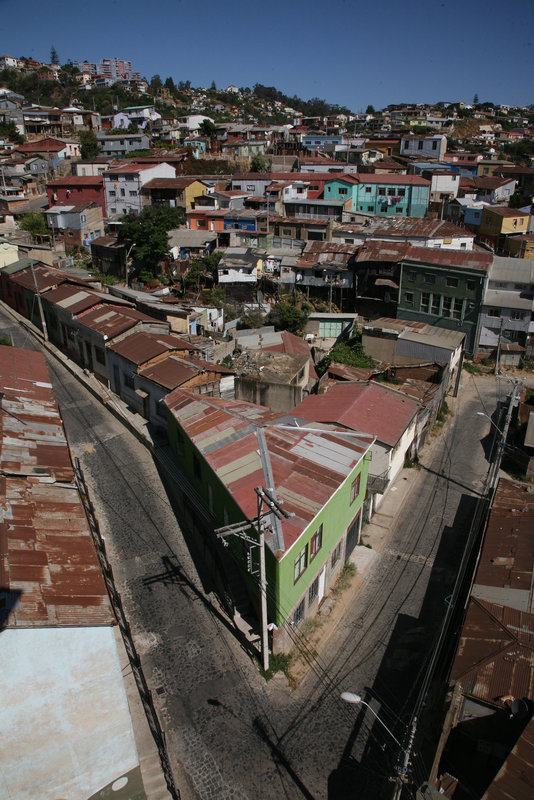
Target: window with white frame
{"points": [[301, 562]]}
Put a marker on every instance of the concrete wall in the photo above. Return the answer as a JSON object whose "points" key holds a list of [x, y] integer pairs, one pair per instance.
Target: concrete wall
{"points": [[62, 700], [277, 396]]}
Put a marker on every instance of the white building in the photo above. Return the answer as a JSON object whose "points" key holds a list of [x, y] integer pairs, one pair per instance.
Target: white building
{"points": [[123, 186], [424, 146]]}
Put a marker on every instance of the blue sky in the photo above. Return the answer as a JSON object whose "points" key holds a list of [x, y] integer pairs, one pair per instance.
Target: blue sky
{"points": [[345, 51]]}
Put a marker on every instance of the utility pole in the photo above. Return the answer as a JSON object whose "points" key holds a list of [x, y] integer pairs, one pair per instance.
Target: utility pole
{"points": [[266, 498], [498, 350], [39, 303]]}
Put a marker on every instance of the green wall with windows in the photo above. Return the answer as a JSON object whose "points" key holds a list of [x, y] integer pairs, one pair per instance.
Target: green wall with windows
{"points": [[335, 517], [445, 296]]}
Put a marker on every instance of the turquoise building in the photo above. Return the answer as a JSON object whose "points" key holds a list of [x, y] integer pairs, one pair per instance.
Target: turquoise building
{"points": [[386, 195]]}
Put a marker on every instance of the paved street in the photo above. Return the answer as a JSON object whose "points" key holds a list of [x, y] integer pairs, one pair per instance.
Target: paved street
{"points": [[236, 736]]}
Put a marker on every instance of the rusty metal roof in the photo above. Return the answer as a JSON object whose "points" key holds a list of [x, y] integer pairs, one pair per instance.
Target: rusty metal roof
{"points": [[49, 571], [171, 373], [514, 779], [72, 298], [382, 251], [506, 568], [309, 461], [45, 277], [424, 228], [468, 259], [369, 407], [110, 320], [495, 655], [142, 347]]}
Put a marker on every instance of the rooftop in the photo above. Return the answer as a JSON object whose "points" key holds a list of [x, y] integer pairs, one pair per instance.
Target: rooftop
{"points": [[49, 567], [370, 407], [308, 461]]}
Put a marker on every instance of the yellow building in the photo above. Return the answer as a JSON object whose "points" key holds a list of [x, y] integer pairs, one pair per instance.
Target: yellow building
{"points": [[502, 220], [520, 246]]}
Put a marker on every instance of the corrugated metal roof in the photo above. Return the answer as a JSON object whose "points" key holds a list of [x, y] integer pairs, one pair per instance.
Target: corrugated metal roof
{"points": [[308, 463], [171, 372], [141, 347], [424, 228], [48, 558], [45, 277], [514, 779], [109, 320], [72, 298], [468, 259], [502, 298], [507, 559], [370, 407], [495, 654]]}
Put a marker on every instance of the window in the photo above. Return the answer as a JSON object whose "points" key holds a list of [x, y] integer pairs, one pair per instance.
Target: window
{"points": [[420, 145], [301, 562], [451, 282], [343, 191], [411, 275], [298, 616], [457, 308], [434, 145], [516, 315], [113, 210], [100, 355], [401, 192], [370, 208], [336, 555], [435, 305], [129, 381], [132, 193], [286, 231], [391, 192], [201, 223], [409, 298], [425, 302], [382, 191], [430, 278], [123, 192], [494, 312], [368, 189], [398, 210], [250, 187], [355, 488], [447, 304], [471, 286], [313, 591], [316, 542]]}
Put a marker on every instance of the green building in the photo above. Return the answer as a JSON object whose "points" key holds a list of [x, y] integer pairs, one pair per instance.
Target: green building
{"points": [[318, 472], [444, 288]]}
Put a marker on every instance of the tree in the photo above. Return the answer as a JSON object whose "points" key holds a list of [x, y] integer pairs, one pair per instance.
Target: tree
{"points": [[133, 127], [475, 99], [287, 317], [146, 234], [259, 163], [370, 110], [207, 128], [155, 83], [54, 58], [89, 145], [213, 86], [8, 130], [203, 271], [170, 85], [33, 223], [351, 353]]}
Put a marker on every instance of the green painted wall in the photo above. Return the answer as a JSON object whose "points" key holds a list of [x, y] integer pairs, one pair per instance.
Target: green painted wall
{"points": [[336, 517], [453, 307]]}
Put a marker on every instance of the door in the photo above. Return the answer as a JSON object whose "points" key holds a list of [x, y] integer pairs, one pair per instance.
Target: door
{"points": [[322, 580]]}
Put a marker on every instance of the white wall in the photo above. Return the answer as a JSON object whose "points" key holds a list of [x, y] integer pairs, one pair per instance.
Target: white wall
{"points": [[64, 714]]}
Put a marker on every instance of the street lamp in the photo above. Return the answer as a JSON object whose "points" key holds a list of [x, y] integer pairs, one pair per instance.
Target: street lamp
{"points": [[483, 414], [401, 769], [355, 699]]}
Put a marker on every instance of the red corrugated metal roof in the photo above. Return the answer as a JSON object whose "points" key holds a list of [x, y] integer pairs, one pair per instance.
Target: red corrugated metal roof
{"points": [[371, 408], [45, 277], [110, 320], [73, 299], [450, 258], [48, 565], [141, 347], [308, 466]]}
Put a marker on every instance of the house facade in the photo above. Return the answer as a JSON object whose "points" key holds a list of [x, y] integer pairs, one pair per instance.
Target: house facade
{"points": [[77, 189], [444, 288], [319, 472], [77, 224], [433, 147], [119, 145], [123, 186], [384, 195]]}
